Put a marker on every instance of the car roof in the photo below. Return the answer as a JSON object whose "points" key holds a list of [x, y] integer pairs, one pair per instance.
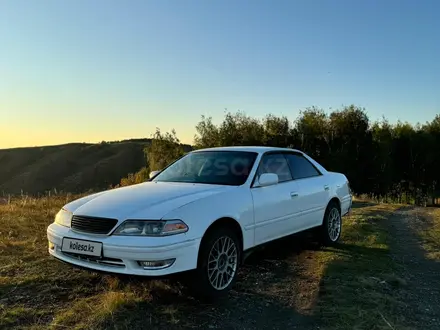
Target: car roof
{"points": [[258, 149]]}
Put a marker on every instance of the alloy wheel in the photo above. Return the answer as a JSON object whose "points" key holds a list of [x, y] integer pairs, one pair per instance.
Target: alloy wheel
{"points": [[222, 263], [334, 225]]}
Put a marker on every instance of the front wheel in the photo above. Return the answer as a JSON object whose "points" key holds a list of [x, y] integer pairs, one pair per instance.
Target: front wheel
{"points": [[331, 228], [218, 264]]}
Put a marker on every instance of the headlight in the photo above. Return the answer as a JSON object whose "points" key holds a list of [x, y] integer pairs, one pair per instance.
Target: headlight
{"points": [[151, 228], [63, 218]]}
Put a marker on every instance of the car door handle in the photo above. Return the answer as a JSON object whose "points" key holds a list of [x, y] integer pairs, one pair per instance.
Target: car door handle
{"points": [[294, 194], [326, 187]]}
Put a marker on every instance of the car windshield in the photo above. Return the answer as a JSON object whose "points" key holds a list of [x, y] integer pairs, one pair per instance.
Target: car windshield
{"points": [[210, 167]]}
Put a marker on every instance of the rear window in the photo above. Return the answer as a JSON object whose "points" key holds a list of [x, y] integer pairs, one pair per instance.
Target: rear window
{"points": [[301, 167]]}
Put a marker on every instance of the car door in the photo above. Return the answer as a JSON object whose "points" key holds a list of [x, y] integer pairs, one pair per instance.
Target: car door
{"points": [[313, 190], [275, 206]]}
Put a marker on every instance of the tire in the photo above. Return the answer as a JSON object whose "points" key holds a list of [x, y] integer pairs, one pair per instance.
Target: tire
{"points": [[331, 228], [209, 283]]}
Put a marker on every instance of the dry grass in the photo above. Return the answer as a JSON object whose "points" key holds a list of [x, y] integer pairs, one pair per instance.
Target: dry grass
{"points": [[360, 288], [429, 232], [292, 282]]}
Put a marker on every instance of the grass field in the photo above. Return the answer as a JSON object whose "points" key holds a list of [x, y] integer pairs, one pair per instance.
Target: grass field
{"points": [[290, 283], [429, 233]]}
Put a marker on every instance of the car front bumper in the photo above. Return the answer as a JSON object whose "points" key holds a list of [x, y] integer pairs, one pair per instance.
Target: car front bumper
{"points": [[121, 254]]}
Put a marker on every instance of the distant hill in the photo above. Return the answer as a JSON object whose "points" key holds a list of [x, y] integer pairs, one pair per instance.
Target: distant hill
{"points": [[73, 167]]}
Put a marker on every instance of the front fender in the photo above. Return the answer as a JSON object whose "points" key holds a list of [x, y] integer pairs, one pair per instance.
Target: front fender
{"points": [[200, 214]]}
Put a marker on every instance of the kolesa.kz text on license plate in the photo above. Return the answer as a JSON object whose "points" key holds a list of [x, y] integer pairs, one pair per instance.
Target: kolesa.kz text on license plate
{"points": [[81, 247]]}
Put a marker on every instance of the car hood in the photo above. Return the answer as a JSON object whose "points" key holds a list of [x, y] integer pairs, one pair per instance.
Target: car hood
{"points": [[149, 200]]}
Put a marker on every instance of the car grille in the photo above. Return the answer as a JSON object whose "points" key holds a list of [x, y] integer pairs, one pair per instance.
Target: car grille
{"points": [[93, 225], [97, 260]]}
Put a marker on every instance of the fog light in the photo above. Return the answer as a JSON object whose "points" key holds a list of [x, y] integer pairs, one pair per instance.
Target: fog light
{"points": [[51, 245], [156, 264]]}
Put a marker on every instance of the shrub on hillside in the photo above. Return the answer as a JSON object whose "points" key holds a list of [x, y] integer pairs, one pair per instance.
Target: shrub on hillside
{"points": [[135, 178], [163, 150]]}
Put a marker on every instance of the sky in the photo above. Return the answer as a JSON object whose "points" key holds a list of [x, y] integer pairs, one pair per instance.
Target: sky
{"points": [[87, 71]]}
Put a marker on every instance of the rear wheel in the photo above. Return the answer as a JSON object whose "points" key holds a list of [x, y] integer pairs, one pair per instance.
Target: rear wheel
{"points": [[218, 263], [331, 228]]}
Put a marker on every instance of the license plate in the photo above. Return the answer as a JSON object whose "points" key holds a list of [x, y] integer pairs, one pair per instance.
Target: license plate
{"points": [[79, 246]]}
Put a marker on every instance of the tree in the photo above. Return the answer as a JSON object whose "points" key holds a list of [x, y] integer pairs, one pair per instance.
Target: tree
{"points": [[236, 129], [164, 149], [277, 131], [311, 134], [351, 146], [207, 135], [382, 133], [432, 133]]}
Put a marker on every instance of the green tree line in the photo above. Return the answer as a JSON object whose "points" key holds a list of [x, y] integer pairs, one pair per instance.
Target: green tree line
{"points": [[387, 162]]}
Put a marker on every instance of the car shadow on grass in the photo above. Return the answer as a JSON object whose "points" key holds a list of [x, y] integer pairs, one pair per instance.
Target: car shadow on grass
{"points": [[264, 297]]}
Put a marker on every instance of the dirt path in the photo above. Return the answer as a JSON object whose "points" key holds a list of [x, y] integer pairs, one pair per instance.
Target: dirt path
{"points": [[422, 276]]}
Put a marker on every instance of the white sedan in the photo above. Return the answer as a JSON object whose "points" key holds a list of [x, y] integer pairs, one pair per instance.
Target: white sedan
{"points": [[202, 213]]}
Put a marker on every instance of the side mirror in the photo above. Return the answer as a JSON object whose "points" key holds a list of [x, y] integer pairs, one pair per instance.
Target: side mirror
{"points": [[153, 173], [268, 179]]}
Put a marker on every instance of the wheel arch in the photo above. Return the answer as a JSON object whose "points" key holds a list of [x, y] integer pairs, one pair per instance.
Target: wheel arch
{"points": [[335, 200], [223, 222]]}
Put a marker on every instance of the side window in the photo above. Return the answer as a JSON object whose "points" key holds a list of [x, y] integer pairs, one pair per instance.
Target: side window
{"points": [[301, 167], [275, 163]]}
